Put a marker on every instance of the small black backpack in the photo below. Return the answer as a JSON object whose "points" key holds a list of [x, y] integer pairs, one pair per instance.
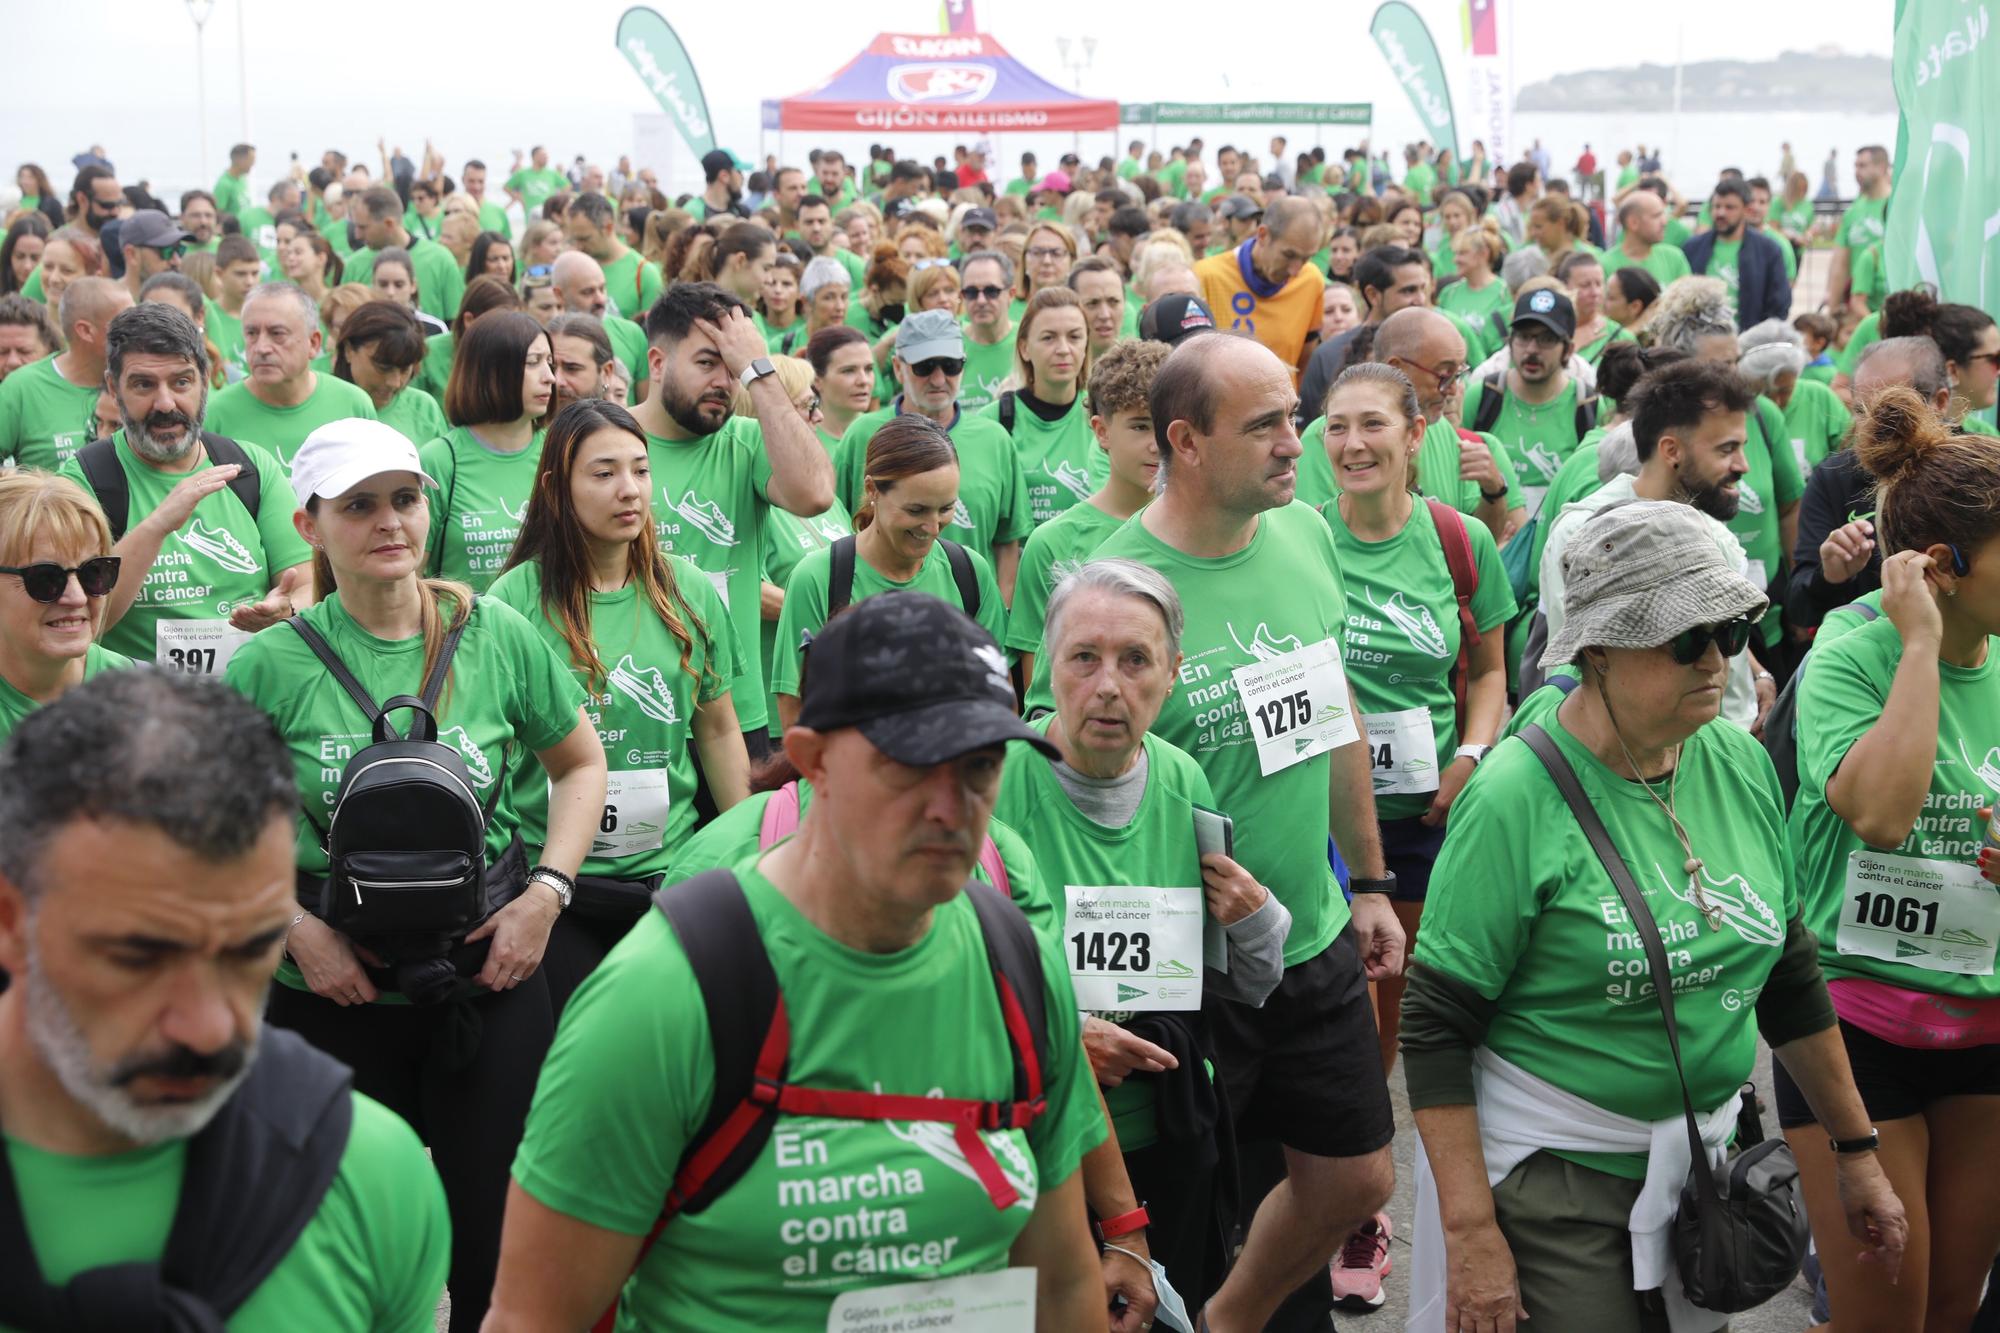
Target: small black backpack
{"points": [[406, 845]]}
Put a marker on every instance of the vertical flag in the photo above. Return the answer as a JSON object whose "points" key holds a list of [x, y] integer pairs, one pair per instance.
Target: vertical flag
{"points": [[1944, 220], [1486, 73], [1413, 58], [663, 66], [955, 16]]}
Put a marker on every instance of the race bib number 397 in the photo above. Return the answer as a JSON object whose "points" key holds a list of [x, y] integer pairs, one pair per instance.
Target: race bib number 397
{"points": [[198, 647], [1297, 705]]}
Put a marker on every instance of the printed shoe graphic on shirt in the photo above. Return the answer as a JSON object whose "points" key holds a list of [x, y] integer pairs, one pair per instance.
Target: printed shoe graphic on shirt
{"points": [[1742, 909], [1415, 621], [1988, 770], [960, 518], [1545, 461], [645, 687], [508, 510], [221, 546], [1072, 476], [475, 758], [1263, 644], [936, 1139], [708, 519], [1747, 499]]}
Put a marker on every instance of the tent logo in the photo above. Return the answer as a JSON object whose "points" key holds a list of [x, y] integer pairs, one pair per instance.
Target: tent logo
{"points": [[944, 83]]}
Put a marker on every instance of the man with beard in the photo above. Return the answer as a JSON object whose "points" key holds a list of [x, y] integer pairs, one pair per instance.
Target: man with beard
{"points": [[1391, 278], [834, 186], [1538, 412], [167, 1163], [716, 476], [1266, 287], [48, 407], [580, 290], [1749, 263], [1689, 425], [283, 400], [631, 283], [816, 230], [199, 220], [1643, 218], [203, 570], [584, 359], [723, 195], [153, 243]]}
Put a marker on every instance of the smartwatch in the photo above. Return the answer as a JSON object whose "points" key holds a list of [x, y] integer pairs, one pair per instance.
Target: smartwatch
{"points": [[1491, 496], [1473, 752], [1847, 1147], [757, 370], [1386, 884]]}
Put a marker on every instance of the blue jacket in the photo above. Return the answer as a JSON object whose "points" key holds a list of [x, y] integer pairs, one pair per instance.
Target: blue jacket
{"points": [[1762, 290]]}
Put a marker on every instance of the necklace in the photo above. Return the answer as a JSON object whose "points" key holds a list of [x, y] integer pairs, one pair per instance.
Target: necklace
{"points": [[1710, 912]]}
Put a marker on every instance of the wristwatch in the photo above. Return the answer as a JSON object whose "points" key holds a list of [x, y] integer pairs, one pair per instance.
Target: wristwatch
{"points": [[1386, 884], [1844, 1147], [1111, 1228], [563, 885], [757, 370], [1473, 752], [1491, 496]]}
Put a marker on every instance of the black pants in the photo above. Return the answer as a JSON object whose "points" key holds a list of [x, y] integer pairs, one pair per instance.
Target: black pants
{"points": [[462, 1075], [1182, 1231], [577, 945]]}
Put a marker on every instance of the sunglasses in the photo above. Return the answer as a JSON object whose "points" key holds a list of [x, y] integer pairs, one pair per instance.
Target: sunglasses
{"points": [[171, 251], [950, 365], [541, 270], [1731, 637], [923, 264], [46, 582], [987, 293]]}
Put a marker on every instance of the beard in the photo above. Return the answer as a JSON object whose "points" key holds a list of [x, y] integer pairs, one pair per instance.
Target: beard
{"points": [[61, 1042], [687, 410], [1715, 499], [563, 397], [139, 432]]}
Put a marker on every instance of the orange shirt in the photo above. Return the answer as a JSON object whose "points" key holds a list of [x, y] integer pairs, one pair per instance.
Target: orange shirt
{"points": [[1282, 320]]}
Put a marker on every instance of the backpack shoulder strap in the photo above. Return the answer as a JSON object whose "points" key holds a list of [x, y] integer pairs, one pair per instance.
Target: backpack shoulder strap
{"points": [[1007, 410], [1017, 975], [963, 575], [337, 668], [99, 461], [248, 485], [1492, 397], [839, 576], [1865, 611], [434, 687], [1586, 415], [781, 816], [1464, 585], [995, 866]]}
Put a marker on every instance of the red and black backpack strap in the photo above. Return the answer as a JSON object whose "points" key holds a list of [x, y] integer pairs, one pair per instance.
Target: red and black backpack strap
{"points": [[1016, 960], [1458, 558]]}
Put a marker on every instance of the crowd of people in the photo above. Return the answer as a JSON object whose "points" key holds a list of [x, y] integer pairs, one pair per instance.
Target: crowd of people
{"points": [[1125, 660]]}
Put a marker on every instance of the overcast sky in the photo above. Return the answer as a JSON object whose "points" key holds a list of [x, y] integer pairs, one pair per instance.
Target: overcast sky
{"points": [[501, 73]]}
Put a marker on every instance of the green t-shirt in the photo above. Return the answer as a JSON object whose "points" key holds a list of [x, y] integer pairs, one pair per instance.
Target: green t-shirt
{"points": [[1155, 850], [1060, 459], [232, 193], [1018, 186], [1538, 436], [1816, 422], [15, 705], [1477, 306], [1420, 181], [1785, 251], [1865, 223], [1773, 482], [373, 1256], [1069, 537], [712, 505], [1403, 633], [534, 185], [44, 419], [493, 217], [1437, 457], [1577, 479], [223, 557], [435, 372], [1173, 178], [628, 343], [1845, 688], [1868, 332], [1678, 232], [479, 505], [828, 1205], [1520, 907], [806, 602], [632, 283], [508, 697], [1281, 592], [440, 281], [1793, 217], [1129, 168], [416, 414], [1723, 265], [1594, 349], [993, 504], [1871, 277], [226, 332], [243, 417], [260, 225], [987, 369], [788, 539], [1664, 261], [643, 713]]}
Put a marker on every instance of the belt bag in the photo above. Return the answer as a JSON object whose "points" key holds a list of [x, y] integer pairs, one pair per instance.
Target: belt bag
{"points": [[599, 898], [1738, 1241]]}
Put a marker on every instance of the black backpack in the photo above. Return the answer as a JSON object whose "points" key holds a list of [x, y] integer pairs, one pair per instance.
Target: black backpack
{"points": [[101, 468], [840, 576], [1781, 726], [406, 844], [1493, 397]]}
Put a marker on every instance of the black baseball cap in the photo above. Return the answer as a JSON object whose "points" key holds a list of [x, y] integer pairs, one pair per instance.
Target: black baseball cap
{"points": [[1175, 316], [1551, 310], [980, 217], [920, 679]]}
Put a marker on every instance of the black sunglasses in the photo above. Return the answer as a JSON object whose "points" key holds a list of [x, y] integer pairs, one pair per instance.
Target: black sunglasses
{"points": [[950, 365], [171, 251], [46, 582], [988, 293], [1731, 637]]}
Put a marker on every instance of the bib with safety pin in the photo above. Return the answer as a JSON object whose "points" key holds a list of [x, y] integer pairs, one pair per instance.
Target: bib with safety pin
{"points": [[1133, 947], [1297, 705], [1402, 752], [635, 814], [198, 647], [1002, 1302], [1936, 915]]}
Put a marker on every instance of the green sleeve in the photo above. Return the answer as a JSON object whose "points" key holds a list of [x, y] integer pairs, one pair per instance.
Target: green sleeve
{"points": [[1017, 520], [759, 459], [1074, 1122], [438, 464], [514, 181], [1030, 890], [992, 611], [1837, 418], [276, 503], [805, 609], [1503, 459], [1840, 232], [1839, 700], [1785, 478], [1493, 601], [1468, 411], [1479, 923], [850, 464], [1794, 1002], [723, 659], [10, 418], [1031, 593], [1443, 1021], [649, 288], [546, 692], [32, 288], [403, 1221]]}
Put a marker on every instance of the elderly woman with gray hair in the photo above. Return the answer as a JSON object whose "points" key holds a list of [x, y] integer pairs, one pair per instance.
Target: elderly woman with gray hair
{"points": [[1157, 919], [1816, 421], [1557, 1121]]}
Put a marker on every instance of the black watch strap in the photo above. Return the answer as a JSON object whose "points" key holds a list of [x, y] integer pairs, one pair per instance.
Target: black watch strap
{"points": [[1387, 884], [1848, 1146], [1491, 496]]}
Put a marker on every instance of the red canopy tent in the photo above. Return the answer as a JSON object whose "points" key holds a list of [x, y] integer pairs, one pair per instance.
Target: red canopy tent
{"points": [[956, 83]]}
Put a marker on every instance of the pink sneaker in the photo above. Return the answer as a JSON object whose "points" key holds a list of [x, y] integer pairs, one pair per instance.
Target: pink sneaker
{"points": [[1361, 1265]]}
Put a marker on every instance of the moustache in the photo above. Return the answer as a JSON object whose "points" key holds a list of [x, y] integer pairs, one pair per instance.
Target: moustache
{"points": [[181, 1063], [160, 421]]}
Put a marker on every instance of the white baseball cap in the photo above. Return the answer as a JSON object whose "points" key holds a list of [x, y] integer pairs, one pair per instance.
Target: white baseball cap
{"points": [[342, 454]]}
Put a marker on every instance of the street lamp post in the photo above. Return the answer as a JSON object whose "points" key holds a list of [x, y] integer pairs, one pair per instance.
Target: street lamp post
{"points": [[1086, 51], [199, 10]]}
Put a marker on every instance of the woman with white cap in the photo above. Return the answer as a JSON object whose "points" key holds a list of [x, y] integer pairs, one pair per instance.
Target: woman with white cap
{"points": [[1550, 1104], [451, 1042]]}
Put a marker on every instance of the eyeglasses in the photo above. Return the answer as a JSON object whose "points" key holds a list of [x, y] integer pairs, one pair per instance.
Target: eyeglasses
{"points": [[541, 270], [1536, 338], [950, 365], [986, 293], [1731, 637], [1048, 252], [1444, 374], [1994, 357], [923, 264], [171, 251], [47, 581]]}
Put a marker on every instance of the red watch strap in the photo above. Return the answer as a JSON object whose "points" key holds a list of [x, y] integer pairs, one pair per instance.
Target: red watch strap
{"points": [[1111, 1228]]}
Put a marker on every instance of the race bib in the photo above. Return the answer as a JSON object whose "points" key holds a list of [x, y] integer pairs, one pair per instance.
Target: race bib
{"points": [[1936, 915], [1297, 704], [720, 582], [1002, 1302], [1134, 948], [198, 647], [1402, 752], [635, 813], [1799, 452]]}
